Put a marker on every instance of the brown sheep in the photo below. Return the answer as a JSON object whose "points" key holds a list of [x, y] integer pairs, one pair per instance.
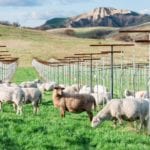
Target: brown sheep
{"points": [[75, 103]]}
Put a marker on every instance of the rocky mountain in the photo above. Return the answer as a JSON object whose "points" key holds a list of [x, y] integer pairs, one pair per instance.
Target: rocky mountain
{"points": [[102, 16]]}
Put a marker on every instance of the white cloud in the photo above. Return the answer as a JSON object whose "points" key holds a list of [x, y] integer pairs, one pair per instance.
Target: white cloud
{"points": [[145, 11]]}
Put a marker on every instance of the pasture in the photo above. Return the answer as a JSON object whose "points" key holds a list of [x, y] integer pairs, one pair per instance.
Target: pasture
{"points": [[48, 130]]}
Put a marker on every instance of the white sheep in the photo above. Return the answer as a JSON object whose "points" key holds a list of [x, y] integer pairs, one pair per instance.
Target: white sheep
{"points": [[73, 89], [138, 94], [14, 95], [101, 98], [123, 110], [85, 90], [34, 96], [47, 86], [100, 89], [30, 83]]}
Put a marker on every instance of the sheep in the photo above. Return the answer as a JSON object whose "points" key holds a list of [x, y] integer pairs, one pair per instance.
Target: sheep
{"points": [[100, 89], [75, 103], [41, 87], [123, 110], [138, 94], [34, 96], [73, 89], [47, 86], [101, 98], [13, 95], [85, 90], [30, 83]]}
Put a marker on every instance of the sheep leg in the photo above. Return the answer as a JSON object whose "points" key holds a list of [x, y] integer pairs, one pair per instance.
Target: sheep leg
{"points": [[19, 110], [35, 109], [62, 111], [119, 119], [115, 122], [141, 123], [90, 114], [15, 107]]}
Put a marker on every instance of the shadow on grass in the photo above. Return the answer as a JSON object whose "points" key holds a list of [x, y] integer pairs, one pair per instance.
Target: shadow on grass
{"points": [[47, 103], [82, 142], [6, 143], [14, 120], [40, 130], [51, 147]]}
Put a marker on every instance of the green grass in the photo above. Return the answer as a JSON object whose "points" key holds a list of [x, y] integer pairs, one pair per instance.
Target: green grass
{"points": [[48, 131], [94, 32], [25, 74], [56, 22]]}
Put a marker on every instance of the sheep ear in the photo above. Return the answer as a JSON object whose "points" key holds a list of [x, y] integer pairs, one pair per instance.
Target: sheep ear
{"points": [[56, 88], [62, 88]]}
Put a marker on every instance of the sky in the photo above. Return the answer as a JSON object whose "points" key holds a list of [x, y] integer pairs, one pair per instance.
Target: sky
{"points": [[33, 13]]}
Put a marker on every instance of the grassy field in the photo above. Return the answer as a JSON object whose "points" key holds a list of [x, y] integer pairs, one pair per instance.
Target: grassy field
{"points": [[48, 131]]}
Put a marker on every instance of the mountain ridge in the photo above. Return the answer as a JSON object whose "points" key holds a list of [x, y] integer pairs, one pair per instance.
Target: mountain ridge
{"points": [[102, 16]]}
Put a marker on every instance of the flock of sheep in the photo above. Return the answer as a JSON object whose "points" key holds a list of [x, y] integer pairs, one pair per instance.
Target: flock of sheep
{"points": [[76, 99], [26, 92]]}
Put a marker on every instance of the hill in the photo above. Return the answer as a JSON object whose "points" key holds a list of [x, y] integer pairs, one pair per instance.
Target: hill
{"points": [[101, 32], [57, 43], [103, 16], [54, 23], [27, 43]]}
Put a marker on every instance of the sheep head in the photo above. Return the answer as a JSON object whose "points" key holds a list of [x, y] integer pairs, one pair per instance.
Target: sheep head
{"points": [[95, 122], [58, 90]]}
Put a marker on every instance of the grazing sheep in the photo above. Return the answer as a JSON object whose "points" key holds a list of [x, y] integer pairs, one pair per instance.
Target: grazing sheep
{"points": [[13, 95], [138, 94], [123, 110], [141, 94], [75, 103], [34, 96]]}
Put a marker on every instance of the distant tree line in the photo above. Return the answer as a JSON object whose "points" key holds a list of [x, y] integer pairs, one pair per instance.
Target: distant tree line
{"points": [[7, 23]]}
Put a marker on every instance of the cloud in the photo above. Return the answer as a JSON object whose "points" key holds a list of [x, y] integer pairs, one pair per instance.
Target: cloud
{"points": [[44, 15], [145, 11], [20, 2]]}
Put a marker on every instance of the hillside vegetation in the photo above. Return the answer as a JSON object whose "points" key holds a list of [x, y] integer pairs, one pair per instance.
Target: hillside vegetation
{"points": [[26, 44], [54, 23], [57, 43]]}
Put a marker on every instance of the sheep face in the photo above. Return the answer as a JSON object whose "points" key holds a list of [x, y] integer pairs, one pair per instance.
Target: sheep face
{"points": [[58, 91], [95, 122]]}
